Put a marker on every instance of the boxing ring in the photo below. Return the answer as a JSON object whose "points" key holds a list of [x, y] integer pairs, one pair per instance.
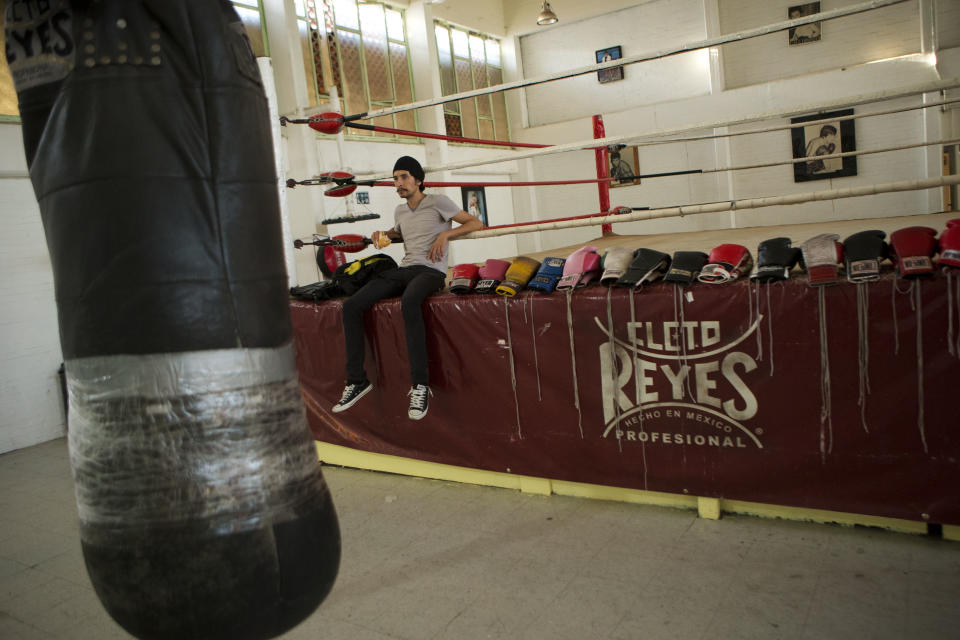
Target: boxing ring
{"points": [[760, 407], [783, 399]]}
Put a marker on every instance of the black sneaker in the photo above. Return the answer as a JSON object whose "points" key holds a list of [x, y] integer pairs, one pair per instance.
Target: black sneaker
{"points": [[352, 393], [418, 401]]}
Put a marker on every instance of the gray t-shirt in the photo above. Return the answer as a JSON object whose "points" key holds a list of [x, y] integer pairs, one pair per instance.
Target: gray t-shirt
{"points": [[421, 226]]}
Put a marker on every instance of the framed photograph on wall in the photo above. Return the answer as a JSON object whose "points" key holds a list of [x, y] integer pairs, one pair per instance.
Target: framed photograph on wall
{"points": [[609, 75], [806, 32], [823, 139], [623, 163], [475, 202]]}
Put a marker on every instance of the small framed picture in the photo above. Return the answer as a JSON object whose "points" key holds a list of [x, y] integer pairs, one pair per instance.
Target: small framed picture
{"points": [[823, 139], [806, 32], [606, 55], [475, 202], [623, 163]]}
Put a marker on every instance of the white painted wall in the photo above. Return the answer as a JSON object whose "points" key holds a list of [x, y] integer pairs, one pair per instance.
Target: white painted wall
{"points": [[645, 28], [520, 16], [794, 88], [876, 35], [31, 403], [947, 19], [485, 16]]}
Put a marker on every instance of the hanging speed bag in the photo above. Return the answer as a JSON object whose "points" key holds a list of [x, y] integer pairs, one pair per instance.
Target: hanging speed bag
{"points": [[203, 510]]}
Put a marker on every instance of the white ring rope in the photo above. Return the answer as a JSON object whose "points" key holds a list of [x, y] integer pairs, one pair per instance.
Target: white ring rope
{"points": [[807, 123], [842, 154], [693, 46], [940, 85], [716, 207]]}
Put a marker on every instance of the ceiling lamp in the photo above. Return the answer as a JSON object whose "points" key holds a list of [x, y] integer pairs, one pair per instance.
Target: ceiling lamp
{"points": [[547, 16]]}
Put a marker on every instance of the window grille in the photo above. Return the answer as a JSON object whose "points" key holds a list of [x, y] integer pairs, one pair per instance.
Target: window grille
{"points": [[369, 59], [470, 60], [251, 14]]}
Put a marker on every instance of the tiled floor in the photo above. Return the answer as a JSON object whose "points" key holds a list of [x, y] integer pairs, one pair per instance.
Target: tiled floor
{"points": [[427, 559]]}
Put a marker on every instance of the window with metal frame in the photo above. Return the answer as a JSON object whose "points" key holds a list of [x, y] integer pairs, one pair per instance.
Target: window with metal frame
{"points": [[251, 14], [470, 60], [369, 59]]}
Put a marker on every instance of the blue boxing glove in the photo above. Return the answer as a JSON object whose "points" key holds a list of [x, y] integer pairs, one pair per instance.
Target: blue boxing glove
{"points": [[550, 272]]}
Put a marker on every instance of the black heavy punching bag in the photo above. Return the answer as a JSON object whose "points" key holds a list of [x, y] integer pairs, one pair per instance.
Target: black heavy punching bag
{"points": [[203, 511]]}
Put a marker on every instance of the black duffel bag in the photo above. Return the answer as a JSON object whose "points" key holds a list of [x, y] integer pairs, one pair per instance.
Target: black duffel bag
{"points": [[347, 279]]}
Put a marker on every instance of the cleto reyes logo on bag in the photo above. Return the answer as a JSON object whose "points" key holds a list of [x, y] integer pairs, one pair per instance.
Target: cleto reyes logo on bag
{"points": [[39, 43], [678, 383]]}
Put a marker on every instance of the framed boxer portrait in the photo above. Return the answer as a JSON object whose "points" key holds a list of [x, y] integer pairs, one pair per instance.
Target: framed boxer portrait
{"points": [[805, 32], [609, 75], [821, 139], [623, 164], [475, 202]]}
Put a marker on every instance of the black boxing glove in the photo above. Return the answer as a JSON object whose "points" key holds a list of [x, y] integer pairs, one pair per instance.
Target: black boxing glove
{"points": [[775, 258], [862, 253], [685, 267], [647, 265]]}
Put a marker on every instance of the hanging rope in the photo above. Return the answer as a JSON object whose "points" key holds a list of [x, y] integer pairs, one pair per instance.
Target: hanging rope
{"points": [[863, 349], [920, 403], [573, 363], [826, 413], [513, 369]]}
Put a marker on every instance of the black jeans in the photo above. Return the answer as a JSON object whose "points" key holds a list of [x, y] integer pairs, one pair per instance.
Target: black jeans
{"points": [[415, 283]]}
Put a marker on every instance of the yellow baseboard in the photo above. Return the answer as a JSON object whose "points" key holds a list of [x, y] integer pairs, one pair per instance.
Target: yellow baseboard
{"points": [[710, 508]]}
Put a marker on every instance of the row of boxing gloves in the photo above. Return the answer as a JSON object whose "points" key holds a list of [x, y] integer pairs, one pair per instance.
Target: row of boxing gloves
{"points": [[911, 250]]}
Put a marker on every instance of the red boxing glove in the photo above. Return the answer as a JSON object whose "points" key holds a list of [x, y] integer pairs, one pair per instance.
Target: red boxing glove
{"points": [[726, 262], [329, 259], [950, 246], [912, 250], [464, 278]]}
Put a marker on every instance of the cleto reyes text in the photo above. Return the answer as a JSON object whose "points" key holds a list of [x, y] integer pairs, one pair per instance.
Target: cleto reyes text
{"points": [[654, 371]]}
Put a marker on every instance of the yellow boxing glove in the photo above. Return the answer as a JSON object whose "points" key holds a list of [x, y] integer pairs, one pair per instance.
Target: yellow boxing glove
{"points": [[517, 276]]}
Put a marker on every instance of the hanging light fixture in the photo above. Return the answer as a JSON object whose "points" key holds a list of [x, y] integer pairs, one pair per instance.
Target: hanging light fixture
{"points": [[547, 16]]}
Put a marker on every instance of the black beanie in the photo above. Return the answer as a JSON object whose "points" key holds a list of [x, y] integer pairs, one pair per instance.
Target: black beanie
{"points": [[410, 165]]}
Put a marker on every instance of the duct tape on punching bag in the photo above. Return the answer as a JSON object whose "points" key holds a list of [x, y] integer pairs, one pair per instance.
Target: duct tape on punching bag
{"points": [[203, 510]]}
